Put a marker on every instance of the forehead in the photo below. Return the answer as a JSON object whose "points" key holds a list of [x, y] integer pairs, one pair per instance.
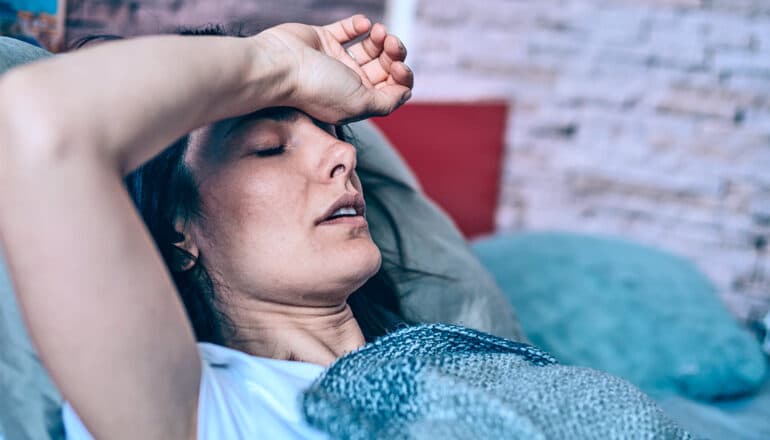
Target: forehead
{"points": [[215, 143], [237, 126]]}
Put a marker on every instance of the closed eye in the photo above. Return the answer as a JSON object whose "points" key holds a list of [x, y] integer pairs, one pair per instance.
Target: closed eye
{"points": [[272, 151]]}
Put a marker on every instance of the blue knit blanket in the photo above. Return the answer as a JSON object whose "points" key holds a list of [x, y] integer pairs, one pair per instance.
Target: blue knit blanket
{"points": [[447, 382]]}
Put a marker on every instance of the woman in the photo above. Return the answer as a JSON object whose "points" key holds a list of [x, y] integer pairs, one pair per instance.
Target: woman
{"points": [[278, 224], [258, 225]]}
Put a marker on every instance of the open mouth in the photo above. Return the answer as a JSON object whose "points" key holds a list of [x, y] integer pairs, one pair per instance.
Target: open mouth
{"points": [[350, 208], [347, 211]]}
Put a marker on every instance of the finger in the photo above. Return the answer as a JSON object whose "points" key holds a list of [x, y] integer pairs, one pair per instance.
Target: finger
{"points": [[394, 48], [374, 102], [348, 60], [392, 81], [401, 74], [371, 47], [388, 98], [378, 70], [349, 29]]}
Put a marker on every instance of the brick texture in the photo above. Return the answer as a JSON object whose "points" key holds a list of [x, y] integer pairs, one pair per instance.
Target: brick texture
{"points": [[647, 119]]}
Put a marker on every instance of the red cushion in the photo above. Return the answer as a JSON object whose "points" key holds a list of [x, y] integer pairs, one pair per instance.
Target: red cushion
{"points": [[456, 151]]}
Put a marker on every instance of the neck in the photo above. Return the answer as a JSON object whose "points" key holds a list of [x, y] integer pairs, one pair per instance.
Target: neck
{"points": [[311, 334]]}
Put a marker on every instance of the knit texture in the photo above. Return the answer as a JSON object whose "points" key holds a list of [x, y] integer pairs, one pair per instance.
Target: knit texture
{"points": [[444, 382]]}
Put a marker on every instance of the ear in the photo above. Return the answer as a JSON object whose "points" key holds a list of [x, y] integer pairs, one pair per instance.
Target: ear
{"points": [[186, 252]]}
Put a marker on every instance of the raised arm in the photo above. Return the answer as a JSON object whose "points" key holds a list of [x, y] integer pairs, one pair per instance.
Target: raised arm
{"points": [[100, 306]]}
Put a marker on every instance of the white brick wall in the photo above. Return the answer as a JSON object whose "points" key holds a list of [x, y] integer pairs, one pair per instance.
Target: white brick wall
{"points": [[648, 119]]}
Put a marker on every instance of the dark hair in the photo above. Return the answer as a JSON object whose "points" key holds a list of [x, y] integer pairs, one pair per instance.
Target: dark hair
{"points": [[164, 189]]}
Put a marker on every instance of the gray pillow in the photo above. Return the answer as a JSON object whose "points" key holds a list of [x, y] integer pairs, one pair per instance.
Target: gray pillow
{"points": [[463, 293], [14, 52], [30, 404]]}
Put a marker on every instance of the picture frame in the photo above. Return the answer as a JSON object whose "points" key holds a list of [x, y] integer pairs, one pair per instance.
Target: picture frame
{"points": [[40, 22]]}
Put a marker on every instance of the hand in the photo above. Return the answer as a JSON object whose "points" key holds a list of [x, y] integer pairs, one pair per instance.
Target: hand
{"points": [[331, 85]]}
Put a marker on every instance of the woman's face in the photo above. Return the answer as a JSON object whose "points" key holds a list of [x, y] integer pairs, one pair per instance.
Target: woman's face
{"points": [[271, 186]]}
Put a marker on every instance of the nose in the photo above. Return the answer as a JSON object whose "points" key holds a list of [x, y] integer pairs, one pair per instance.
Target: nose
{"points": [[341, 161]]}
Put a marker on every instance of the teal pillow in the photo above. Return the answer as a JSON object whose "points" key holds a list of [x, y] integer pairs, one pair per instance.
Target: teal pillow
{"points": [[630, 310]]}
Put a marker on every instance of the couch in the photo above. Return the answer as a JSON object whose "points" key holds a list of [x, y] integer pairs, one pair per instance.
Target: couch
{"points": [[480, 287]]}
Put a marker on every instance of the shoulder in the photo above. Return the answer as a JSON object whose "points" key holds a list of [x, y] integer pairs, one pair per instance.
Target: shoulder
{"points": [[242, 396]]}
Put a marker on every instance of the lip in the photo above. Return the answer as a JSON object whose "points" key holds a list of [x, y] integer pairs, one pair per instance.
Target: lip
{"points": [[354, 200], [358, 220]]}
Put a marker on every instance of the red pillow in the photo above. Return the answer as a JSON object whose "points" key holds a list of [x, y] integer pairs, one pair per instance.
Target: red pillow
{"points": [[456, 150]]}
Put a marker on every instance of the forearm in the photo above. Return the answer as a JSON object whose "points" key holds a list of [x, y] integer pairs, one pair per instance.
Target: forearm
{"points": [[96, 296], [125, 101]]}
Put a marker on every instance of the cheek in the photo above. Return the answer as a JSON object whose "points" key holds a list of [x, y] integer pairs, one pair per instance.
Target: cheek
{"points": [[258, 236], [357, 182], [251, 222]]}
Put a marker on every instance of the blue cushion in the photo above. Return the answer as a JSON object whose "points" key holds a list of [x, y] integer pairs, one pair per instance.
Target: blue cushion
{"points": [[630, 310]]}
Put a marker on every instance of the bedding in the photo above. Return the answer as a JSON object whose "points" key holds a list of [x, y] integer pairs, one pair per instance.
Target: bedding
{"points": [[744, 418], [442, 381], [766, 328]]}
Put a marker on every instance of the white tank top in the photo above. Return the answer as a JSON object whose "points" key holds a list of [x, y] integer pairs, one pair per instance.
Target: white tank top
{"points": [[241, 397]]}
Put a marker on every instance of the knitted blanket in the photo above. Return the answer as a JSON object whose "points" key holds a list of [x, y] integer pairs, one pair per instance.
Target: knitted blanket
{"points": [[447, 382]]}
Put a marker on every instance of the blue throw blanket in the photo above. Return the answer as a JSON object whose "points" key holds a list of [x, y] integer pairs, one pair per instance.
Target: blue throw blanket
{"points": [[447, 382]]}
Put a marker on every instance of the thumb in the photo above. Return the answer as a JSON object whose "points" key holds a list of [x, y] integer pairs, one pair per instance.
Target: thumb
{"points": [[386, 99]]}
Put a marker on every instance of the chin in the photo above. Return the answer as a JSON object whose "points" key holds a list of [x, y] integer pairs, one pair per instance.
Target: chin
{"points": [[369, 263], [376, 262], [359, 265]]}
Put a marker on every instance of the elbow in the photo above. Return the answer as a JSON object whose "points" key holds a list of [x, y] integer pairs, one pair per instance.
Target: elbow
{"points": [[31, 129]]}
